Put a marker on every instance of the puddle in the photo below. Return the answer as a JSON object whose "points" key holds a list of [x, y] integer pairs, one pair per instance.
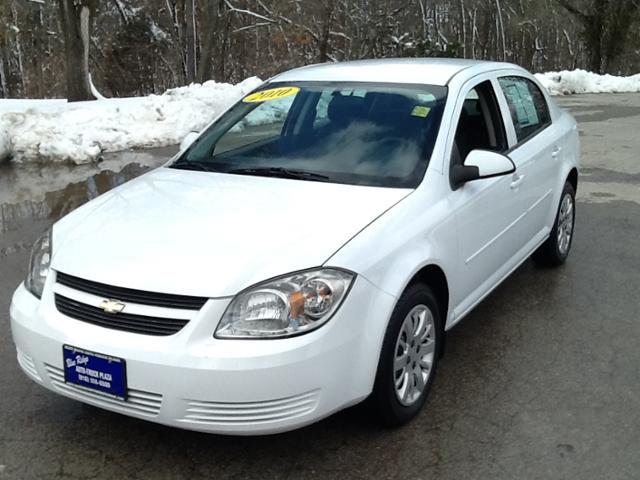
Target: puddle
{"points": [[32, 192]]}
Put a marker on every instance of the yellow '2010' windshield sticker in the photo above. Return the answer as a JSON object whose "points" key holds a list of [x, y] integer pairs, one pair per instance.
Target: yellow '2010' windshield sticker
{"points": [[271, 94], [420, 111]]}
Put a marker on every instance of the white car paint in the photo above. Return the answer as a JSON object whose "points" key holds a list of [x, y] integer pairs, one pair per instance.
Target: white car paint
{"points": [[229, 227], [489, 164], [213, 235]]}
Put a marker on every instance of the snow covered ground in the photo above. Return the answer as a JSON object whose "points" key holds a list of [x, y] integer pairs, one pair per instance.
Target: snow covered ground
{"points": [[581, 81], [79, 132]]}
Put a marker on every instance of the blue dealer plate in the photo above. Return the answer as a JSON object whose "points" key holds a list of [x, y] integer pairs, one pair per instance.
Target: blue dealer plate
{"points": [[95, 371]]}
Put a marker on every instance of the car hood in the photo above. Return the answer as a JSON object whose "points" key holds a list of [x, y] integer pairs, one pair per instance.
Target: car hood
{"points": [[210, 234]]}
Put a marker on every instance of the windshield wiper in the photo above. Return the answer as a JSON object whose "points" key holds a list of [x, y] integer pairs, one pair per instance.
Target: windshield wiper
{"points": [[190, 165], [281, 172]]}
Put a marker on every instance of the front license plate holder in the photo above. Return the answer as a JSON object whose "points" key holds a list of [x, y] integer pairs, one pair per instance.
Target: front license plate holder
{"points": [[95, 371]]}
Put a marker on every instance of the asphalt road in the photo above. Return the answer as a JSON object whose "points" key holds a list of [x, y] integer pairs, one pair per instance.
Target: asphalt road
{"points": [[542, 380]]}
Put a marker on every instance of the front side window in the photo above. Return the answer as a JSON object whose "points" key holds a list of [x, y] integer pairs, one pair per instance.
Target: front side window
{"points": [[528, 107], [480, 125], [361, 134]]}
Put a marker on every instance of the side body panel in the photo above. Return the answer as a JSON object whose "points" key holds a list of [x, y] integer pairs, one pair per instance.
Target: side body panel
{"points": [[423, 230]]}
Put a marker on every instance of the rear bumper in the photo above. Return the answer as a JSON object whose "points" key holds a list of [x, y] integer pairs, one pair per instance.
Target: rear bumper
{"points": [[191, 380]]}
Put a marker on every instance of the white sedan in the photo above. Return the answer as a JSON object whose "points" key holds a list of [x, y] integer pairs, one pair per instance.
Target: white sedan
{"points": [[309, 250]]}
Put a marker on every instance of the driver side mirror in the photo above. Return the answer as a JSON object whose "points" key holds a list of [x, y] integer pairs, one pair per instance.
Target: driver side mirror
{"points": [[481, 164], [188, 140]]}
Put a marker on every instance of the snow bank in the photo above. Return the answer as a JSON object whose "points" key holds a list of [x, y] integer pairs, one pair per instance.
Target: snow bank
{"points": [[80, 132], [581, 81], [60, 131], [21, 105]]}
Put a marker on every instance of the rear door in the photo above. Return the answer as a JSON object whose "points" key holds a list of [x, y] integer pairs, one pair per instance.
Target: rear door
{"points": [[534, 149]]}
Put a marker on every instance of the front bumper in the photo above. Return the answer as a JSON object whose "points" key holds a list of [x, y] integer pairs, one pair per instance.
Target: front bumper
{"points": [[194, 381]]}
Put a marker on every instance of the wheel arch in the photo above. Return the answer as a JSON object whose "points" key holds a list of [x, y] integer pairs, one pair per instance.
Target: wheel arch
{"points": [[572, 178], [433, 276]]}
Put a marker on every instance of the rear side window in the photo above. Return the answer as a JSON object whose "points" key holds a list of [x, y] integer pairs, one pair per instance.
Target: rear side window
{"points": [[528, 107]]}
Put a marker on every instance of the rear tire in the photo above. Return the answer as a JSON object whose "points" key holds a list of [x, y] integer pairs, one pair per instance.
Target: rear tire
{"points": [[409, 356], [556, 249]]}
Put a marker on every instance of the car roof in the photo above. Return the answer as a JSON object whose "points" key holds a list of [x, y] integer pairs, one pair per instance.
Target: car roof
{"points": [[430, 71]]}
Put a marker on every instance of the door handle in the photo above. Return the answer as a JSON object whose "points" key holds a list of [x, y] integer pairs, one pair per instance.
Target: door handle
{"points": [[516, 181], [556, 152]]}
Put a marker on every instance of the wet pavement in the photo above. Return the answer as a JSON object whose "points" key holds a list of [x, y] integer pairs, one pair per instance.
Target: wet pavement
{"points": [[542, 380]]}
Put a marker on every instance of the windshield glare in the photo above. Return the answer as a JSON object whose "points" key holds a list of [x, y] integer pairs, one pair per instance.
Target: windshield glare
{"points": [[362, 134]]}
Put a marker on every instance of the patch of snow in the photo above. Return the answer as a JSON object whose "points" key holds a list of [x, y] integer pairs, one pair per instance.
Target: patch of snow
{"points": [[94, 90], [15, 105], [79, 132], [157, 32], [581, 81]]}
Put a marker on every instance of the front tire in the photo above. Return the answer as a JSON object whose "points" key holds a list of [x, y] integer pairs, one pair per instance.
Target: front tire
{"points": [[409, 357], [556, 249]]}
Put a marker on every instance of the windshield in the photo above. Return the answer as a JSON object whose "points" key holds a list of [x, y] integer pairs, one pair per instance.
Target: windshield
{"points": [[361, 134]]}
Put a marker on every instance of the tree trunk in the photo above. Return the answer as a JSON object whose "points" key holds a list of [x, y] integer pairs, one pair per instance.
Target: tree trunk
{"points": [[3, 75], [616, 36], [501, 31], [21, 73], [323, 48], [210, 26], [463, 22], [595, 29], [37, 82], [190, 40], [75, 17], [220, 70]]}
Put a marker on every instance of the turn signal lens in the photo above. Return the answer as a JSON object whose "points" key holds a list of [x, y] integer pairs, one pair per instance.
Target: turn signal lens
{"points": [[318, 298]]}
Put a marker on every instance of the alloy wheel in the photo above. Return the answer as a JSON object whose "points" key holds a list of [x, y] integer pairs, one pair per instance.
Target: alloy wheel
{"points": [[414, 355], [565, 224]]}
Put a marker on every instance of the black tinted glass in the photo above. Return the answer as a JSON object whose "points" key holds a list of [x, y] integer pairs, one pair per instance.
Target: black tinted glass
{"points": [[364, 134]]}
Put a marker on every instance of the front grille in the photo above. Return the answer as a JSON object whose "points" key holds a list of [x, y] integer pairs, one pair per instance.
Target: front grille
{"points": [[119, 321], [139, 297]]}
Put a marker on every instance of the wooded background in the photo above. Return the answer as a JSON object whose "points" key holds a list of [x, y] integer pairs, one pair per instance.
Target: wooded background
{"points": [[48, 47]]}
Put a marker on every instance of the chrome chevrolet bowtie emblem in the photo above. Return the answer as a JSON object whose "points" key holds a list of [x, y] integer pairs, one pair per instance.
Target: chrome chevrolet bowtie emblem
{"points": [[112, 306]]}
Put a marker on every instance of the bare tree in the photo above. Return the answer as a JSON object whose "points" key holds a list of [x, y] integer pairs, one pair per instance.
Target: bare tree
{"points": [[75, 18], [137, 47], [606, 25], [323, 47], [191, 46], [214, 15]]}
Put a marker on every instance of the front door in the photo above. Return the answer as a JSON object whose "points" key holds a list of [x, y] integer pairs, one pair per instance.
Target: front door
{"points": [[487, 210]]}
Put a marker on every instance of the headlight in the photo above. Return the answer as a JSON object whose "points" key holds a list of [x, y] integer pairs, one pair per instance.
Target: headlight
{"points": [[286, 306], [39, 265]]}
